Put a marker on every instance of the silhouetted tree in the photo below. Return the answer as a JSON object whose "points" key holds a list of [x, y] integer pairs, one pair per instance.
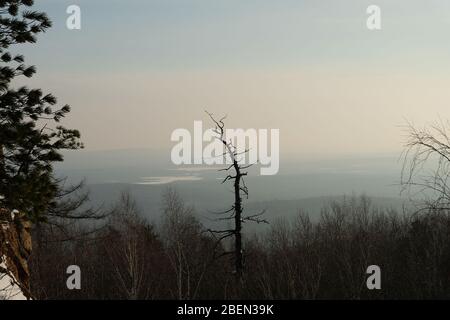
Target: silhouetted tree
{"points": [[426, 167], [240, 189], [30, 142]]}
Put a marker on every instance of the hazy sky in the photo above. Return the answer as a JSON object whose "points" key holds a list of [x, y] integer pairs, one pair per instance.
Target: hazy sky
{"points": [[139, 69]]}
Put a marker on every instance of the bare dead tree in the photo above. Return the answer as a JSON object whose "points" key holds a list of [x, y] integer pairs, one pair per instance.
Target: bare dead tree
{"points": [[236, 173], [426, 166]]}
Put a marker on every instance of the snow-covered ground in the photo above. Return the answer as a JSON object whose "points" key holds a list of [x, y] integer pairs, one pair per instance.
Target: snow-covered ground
{"points": [[9, 290]]}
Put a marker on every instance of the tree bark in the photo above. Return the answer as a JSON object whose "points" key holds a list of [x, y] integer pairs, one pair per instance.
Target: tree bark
{"points": [[238, 222]]}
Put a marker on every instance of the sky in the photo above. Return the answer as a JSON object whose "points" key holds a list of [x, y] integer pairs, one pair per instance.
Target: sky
{"points": [[138, 69]]}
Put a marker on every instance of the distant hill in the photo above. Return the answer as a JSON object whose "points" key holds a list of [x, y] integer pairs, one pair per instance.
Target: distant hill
{"points": [[210, 196], [301, 184]]}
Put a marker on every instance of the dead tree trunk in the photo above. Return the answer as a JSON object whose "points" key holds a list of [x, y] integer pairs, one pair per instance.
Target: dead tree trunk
{"points": [[238, 220], [236, 211]]}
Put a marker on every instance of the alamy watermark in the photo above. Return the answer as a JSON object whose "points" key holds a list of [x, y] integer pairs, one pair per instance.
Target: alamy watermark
{"points": [[253, 146], [74, 280], [374, 19], [73, 22], [374, 280]]}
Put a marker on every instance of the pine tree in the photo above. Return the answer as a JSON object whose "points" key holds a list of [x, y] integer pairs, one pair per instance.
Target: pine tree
{"points": [[31, 140]]}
